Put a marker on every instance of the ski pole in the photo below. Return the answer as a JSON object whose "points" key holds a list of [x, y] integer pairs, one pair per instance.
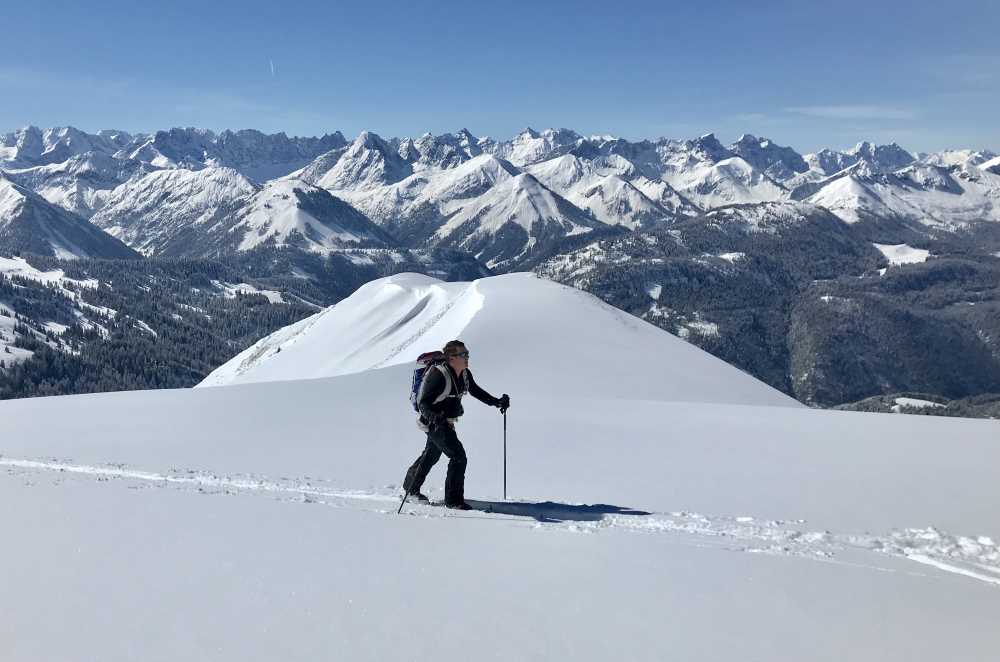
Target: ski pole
{"points": [[405, 494], [505, 455]]}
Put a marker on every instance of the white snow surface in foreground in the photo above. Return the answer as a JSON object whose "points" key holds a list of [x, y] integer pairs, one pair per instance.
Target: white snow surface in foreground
{"points": [[258, 521], [903, 253]]}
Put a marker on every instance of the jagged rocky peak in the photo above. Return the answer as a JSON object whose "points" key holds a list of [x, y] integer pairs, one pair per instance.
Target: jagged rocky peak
{"points": [[23, 144], [368, 162], [530, 146], [407, 150], [178, 136], [257, 155], [883, 157], [775, 161], [876, 158], [369, 140], [278, 145], [444, 151], [32, 146], [709, 148], [119, 139]]}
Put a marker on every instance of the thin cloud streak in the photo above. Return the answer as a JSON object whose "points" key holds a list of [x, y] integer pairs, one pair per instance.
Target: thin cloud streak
{"points": [[854, 112]]}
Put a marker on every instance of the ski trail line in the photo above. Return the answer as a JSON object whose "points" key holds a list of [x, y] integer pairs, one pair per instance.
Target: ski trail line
{"points": [[977, 558], [193, 478]]}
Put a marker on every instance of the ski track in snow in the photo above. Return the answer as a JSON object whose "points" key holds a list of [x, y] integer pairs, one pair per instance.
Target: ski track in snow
{"points": [[974, 557]]}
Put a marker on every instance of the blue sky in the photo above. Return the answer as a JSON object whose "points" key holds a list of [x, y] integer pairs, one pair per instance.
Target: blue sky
{"points": [[806, 74]]}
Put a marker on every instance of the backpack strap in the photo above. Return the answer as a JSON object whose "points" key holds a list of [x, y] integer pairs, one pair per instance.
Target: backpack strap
{"points": [[449, 387]]}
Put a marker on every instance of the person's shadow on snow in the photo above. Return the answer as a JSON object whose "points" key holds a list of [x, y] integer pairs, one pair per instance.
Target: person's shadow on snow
{"points": [[550, 511]]}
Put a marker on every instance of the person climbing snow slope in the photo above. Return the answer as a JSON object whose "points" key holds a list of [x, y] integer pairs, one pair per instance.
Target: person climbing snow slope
{"points": [[439, 401]]}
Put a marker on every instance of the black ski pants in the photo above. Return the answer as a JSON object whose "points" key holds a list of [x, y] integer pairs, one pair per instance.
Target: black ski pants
{"points": [[441, 439]]}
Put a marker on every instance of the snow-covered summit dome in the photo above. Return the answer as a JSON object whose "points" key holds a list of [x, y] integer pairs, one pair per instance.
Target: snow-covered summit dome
{"points": [[521, 330]]}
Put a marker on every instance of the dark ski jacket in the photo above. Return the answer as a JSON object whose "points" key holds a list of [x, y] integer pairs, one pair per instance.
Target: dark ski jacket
{"points": [[434, 385]]}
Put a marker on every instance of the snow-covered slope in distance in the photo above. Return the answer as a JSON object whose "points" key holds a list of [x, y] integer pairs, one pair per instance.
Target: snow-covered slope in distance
{"points": [[30, 223], [403, 207], [877, 158], [292, 212], [254, 154], [31, 146], [530, 146], [946, 198], [81, 183], [393, 320], [506, 222], [958, 157], [709, 174], [217, 211], [165, 212], [599, 187], [637, 527]]}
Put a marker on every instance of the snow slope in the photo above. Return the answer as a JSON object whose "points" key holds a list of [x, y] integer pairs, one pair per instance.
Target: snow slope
{"points": [[443, 190], [902, 253], [393, 320], [645, 521], [160, 211], [288, 211], [30, 223], [601, 190], [81, 183]]}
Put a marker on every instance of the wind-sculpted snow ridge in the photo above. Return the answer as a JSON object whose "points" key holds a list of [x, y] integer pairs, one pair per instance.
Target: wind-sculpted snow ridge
{"points": [[976, 557], [393, 320], [386, 322]]}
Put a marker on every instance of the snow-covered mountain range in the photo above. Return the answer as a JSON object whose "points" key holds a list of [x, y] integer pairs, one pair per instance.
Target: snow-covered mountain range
{"points": [[217, 211], [257, 155], [507, 201], [738, 242]]}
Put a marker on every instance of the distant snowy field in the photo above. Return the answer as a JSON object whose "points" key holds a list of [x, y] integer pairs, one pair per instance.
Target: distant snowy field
{"points": [[902, 253], [662, 505]]}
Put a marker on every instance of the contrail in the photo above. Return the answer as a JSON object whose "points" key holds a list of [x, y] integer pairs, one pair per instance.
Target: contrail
{"points": [[272, 67]]}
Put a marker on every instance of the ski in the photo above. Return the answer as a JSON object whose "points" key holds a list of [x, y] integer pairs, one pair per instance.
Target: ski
{"points": [[480, 506]]}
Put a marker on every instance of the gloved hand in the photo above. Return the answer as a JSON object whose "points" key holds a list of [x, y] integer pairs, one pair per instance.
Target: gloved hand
{"points": [[433, 420], [504, 403]]}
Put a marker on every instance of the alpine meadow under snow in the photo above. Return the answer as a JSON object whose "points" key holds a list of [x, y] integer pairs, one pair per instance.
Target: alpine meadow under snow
{"points": [[662, 504]]}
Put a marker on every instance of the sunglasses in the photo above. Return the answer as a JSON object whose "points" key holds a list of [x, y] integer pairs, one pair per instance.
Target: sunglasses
{"points": [[462, 355]]}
